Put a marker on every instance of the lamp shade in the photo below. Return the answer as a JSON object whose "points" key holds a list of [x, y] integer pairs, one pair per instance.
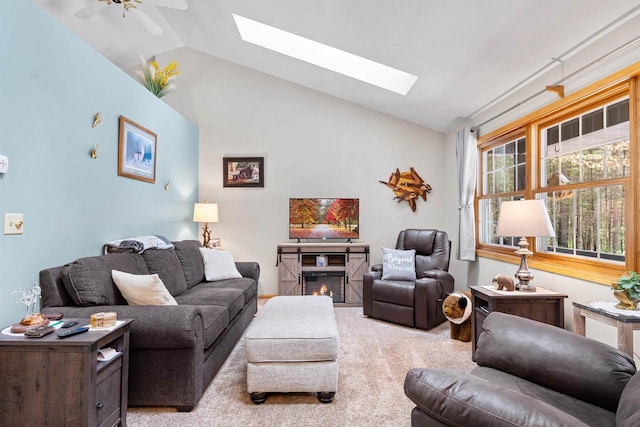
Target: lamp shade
{"points": [[528, 218], [205, 212]]}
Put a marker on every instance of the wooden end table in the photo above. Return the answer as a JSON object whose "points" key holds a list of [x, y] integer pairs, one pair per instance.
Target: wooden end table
{"points": [[56, 382], [625, 324], [544, 306]]}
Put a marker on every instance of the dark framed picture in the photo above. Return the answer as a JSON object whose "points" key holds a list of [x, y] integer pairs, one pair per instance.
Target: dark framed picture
{"points": [[136, 151], [243, 172]]}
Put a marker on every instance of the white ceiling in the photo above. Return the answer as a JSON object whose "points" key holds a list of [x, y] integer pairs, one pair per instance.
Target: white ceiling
{"points": [[464, 52]]}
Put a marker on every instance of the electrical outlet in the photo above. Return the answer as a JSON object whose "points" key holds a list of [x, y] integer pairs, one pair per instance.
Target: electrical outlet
{"points": [[13, 223]]}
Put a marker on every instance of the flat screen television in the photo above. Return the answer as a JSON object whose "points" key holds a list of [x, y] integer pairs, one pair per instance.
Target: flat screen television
{"points": [[328, 218]]}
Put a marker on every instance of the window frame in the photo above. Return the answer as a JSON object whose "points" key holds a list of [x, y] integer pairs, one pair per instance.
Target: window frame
{"points": [[621, 84]]}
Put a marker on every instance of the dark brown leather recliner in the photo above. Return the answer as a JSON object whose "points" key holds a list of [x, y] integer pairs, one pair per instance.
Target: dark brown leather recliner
{"points": [[529, 374], [412, 303]]}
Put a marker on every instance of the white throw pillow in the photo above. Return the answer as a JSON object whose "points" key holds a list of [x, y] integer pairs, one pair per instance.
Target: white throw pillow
{"points": [[142, 289], [398, 264], [218, 265]]}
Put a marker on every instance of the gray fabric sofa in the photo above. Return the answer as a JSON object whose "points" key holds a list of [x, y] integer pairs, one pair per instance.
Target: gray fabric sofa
{"points": [[529, 374], [175, 350]]}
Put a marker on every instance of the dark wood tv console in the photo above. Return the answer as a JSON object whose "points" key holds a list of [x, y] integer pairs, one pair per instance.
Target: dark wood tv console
{"points": [[299, 263]]}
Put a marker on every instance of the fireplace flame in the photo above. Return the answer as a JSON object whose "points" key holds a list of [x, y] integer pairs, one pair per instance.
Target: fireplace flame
{"points": [[323, 291]]}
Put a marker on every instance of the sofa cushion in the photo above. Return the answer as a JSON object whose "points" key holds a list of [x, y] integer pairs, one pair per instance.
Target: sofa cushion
{"points": [[585, 412], [398, 264], [142, 289], [215, 319], [628, 414], [165, 263], [218, 265], [88, 280], [248, 286], [231, 299], [394, 291], [190, 260]]}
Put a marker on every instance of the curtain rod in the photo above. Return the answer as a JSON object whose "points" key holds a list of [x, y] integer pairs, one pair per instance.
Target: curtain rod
{"points": [[579, 70]]}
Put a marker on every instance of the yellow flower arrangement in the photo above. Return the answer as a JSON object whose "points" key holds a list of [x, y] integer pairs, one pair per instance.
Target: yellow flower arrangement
{"points": [[158, 80]]}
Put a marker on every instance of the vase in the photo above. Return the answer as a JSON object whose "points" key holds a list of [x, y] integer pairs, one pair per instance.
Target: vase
{"points": [[625, 302]]}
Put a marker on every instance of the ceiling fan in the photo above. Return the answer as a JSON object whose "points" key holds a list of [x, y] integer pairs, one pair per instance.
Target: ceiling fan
{"points": [[131, 6]]}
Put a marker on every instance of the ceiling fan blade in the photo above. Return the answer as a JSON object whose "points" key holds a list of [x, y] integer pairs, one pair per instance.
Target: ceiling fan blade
{"points": [[173, 4], [145, 21], [92, 9]]}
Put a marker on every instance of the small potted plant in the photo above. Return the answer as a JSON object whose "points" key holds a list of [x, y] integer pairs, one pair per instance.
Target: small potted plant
{"points": [[627, 291]]}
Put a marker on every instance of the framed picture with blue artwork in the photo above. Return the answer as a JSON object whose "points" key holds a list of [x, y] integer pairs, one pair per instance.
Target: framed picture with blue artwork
{"points": [[136, 151]]}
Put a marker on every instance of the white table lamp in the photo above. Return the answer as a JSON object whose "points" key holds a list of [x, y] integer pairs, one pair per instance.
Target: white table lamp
{"points": [[206, 213], [524, 218]]}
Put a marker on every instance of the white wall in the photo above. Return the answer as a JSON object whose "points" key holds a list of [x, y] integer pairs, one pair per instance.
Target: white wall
{"points": [[314, 146]]}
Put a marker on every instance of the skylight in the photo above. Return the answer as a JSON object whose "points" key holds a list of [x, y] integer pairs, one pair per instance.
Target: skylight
{"points": [[324, 56]]}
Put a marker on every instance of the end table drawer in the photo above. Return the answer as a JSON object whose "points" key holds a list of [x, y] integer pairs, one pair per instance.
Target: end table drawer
{"points": [[108, 392]]}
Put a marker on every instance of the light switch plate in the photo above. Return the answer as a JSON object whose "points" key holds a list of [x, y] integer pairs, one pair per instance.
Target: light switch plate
{"points": [[13, 223]]}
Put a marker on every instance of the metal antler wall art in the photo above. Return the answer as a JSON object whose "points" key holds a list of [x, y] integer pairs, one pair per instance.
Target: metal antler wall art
{"points": [[408, 186]]}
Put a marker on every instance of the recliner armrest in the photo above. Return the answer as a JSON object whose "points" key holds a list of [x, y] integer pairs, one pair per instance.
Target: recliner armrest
{"points": [[555, 358], [367, 285], [438, 274], [458, 398], [376, 267]]}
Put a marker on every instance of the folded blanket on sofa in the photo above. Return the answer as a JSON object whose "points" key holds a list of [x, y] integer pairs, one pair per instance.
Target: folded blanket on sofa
{"points": [[139, 244]]}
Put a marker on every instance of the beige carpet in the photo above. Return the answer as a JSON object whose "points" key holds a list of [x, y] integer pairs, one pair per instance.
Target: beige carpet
{"points": [[374, 358]]}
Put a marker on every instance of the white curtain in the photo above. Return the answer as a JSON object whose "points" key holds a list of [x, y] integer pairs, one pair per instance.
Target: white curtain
{"points": [[467, 157]]}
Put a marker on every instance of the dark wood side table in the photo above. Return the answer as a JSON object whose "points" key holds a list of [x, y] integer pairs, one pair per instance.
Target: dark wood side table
{"points": [[544, 306], [625, 324], [60, 382]]}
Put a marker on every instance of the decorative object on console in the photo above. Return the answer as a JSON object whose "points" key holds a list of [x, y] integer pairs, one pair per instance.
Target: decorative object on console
{"points": [[205, 212], [627, 291], [501, 282], [136, 151], [408, 186], [94, 152], [457, 308], [243, 171], [524, 218]]}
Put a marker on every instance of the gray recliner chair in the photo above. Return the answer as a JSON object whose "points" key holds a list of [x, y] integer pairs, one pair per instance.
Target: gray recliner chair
{"points": [[412, 303]]}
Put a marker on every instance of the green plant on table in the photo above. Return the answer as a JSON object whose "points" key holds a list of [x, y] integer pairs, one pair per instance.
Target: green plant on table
{"points": [[630, 283]]}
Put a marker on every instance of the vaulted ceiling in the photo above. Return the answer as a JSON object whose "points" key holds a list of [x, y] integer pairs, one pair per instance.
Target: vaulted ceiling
{"points": [[466, 53]]}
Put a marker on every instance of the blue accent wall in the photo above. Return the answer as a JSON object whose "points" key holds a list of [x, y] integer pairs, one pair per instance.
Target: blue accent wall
{"points": [[51, 85]]}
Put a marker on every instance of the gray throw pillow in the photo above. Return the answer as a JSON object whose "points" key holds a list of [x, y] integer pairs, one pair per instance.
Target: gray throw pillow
{"points": [[398, 264]]}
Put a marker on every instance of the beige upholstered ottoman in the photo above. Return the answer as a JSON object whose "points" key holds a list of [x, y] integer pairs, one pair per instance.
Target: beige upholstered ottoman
{"points": [[292, 346]]}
